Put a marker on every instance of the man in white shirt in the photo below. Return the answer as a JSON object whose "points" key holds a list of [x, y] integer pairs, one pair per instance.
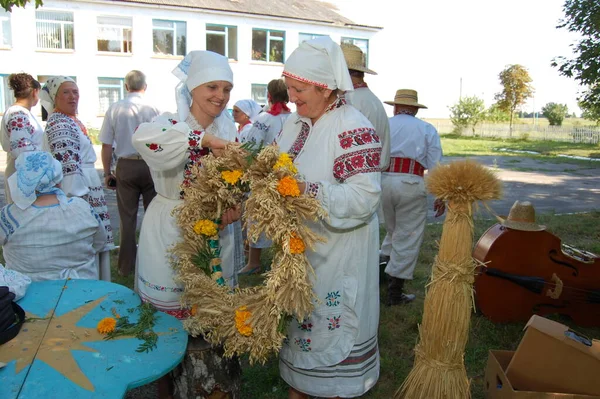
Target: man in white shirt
{"points": [[415, 146], [132, 177], [363, 99]]}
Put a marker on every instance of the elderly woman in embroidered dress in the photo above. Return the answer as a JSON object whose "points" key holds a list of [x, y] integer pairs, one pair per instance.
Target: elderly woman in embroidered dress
{"points": [[171, 146], [20, 131], [334, 352], [44, 234], [67, 139], [245, 113], [265, 129]]}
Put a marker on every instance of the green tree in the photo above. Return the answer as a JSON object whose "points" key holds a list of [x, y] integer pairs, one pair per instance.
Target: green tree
{"points": [[516, 89], [468, 112], [8, 4], [583, 17], [555, 113], [496, 115]]}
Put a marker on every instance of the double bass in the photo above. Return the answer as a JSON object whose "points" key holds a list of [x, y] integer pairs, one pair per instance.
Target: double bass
{"points": [[522, 273]]}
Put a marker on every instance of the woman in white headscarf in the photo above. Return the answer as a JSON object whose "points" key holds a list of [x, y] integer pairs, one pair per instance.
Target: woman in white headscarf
{"points": [[244, 114], [171, 145], [66, 137], [44, 234], [334, 353]]}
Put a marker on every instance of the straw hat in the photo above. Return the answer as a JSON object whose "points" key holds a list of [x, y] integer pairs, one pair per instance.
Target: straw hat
{"points": [[406, 97], [355, 58], [522, 217]]}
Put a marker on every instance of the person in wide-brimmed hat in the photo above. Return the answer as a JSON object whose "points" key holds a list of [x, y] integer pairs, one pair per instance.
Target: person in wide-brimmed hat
{"points": [[415, 147], [363, 99]]}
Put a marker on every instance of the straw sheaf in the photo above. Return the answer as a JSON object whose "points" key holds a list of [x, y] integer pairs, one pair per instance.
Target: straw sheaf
{"points": [[464, 181], [287, 289]]}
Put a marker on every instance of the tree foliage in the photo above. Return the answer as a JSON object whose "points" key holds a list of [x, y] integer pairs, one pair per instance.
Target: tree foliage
{"points": [[468, 112], [496, 115], [8, 4], [555, 113], [516, 89], [583, 17]]}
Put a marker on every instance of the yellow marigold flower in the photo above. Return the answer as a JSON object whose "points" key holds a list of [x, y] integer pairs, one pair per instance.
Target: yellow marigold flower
{"points": [[288, 186], [241, 317], [296, 244], [285, 161], [106, 325], [205, 227], [193, 310], [231, 176]]}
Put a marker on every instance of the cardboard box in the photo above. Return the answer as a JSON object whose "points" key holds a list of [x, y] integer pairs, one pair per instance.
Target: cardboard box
{"points": [[553, 358], [498, 386]]}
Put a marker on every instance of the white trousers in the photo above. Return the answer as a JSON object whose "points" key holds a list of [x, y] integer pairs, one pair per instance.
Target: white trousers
{"points": [[404, 202]]}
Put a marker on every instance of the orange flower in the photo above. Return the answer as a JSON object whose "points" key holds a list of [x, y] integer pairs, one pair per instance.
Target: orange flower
{"points": [[296, 244], [106, 325], [231, 176], [193, 310], [241, 321], [288, 187]]}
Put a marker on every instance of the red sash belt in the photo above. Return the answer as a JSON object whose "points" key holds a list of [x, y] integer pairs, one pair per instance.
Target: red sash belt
{"points": [[405, 165]]}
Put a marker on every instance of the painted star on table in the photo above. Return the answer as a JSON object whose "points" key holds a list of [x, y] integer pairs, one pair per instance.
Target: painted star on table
{"points": [[51, 340]]}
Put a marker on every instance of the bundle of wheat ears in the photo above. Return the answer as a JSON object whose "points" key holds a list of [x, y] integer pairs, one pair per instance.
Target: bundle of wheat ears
{"points": [[439, 371], [249, 320]]}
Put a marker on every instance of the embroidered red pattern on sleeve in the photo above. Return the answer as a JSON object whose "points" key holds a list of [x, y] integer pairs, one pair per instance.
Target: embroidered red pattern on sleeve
{"points": [[353, 163], [357, 137]]}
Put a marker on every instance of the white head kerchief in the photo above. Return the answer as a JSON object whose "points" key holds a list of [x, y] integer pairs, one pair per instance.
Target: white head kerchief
{"points": [[249, 107], [197, 68], [37, 173], [49, 90], [319, 62]]}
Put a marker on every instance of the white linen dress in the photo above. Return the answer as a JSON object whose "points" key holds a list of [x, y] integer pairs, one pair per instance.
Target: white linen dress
{"points": [[52, 242], [20, 132], [334, 352], [71, 146], [171, 147]]}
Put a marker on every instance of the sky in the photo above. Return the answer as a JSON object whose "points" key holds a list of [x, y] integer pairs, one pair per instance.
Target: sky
{"points": [[433, 45]]}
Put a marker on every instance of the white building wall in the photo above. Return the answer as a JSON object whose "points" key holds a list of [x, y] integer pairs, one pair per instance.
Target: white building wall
{"points": [[87, 64]]}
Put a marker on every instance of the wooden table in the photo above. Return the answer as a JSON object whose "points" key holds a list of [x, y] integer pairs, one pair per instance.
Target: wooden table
{"points": [[62, 355]]}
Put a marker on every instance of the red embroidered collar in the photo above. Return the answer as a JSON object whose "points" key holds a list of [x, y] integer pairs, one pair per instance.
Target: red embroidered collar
{"points": [[360, 85]]}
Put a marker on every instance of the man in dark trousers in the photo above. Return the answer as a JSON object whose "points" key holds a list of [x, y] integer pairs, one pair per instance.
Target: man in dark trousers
{"points": [[132, 177]]}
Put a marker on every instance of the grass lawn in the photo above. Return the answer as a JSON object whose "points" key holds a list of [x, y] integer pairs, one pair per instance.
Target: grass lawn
{"points": [[454, 145]]}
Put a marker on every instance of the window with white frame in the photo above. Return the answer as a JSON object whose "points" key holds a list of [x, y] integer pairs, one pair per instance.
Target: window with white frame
{"points": [[268, 45], [5, 35], [222, 40], [6, 94], [363, 44], [114, 34], [168, 37], [308, 36], [110, 90], [55, 30], [258, 92]]}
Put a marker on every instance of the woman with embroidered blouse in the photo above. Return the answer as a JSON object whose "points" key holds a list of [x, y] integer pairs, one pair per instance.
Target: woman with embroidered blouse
{"points": [[244, 114], [171, 145], [264, 131], [334, 352], [66, 138], [44, 234], [20, 130]]}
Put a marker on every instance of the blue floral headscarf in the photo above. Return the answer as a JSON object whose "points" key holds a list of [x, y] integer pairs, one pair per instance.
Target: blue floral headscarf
{"points": [[37, 174]]}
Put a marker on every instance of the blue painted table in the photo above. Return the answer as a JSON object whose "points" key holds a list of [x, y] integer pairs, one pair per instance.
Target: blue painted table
{"points": [[59, 353]]}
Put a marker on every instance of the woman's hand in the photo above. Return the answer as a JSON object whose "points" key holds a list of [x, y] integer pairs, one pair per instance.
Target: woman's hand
{"points": [[231, 215], [216, 144]]}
